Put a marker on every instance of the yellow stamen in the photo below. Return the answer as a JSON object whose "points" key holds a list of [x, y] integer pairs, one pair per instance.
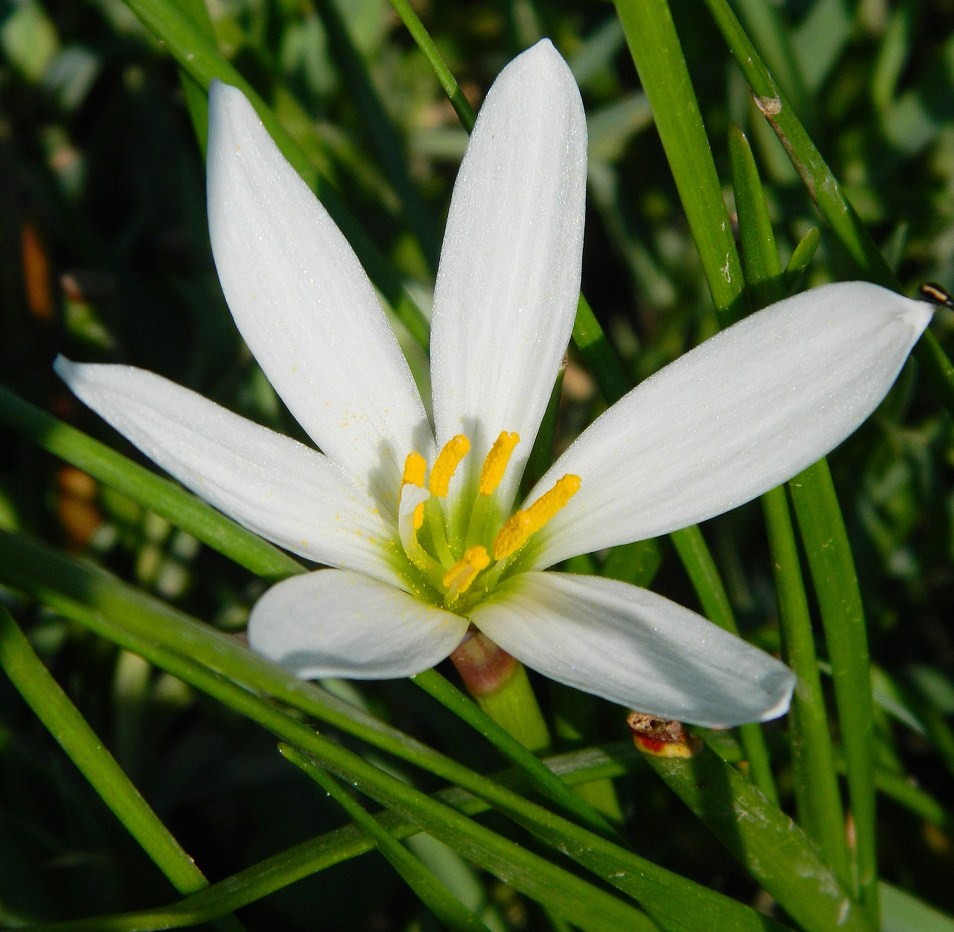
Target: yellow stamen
{"points": [[496, 463], [446, 464], [459, 577], [415, 468], [418, 516], [519, 527]]}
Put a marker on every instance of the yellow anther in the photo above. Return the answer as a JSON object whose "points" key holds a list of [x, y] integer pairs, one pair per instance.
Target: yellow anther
{"points": [[446, 464], [496, 463], [461, 575], [418, 516], [415, 468], [519, 527]]}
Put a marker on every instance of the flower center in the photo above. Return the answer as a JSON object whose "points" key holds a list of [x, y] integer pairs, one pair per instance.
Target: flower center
{"points": [[466, 552]]}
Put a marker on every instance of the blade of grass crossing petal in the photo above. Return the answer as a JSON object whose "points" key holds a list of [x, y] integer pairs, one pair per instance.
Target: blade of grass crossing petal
{"points": [[824, 188], [72, 732], [705, 579], [816, 783], [655, 49], [193, 47], [447, 909], [836, 585], [214, 663], [762, 838], [146, 488]]}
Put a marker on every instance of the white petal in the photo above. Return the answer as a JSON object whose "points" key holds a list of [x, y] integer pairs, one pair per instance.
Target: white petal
{"points": [[271, 484], [338, 623], [635, 648], [509, 275], [304, 304], [736, 416]]}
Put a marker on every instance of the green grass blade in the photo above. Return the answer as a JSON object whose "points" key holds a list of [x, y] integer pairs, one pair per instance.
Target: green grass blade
{"points": [[160, 495], [773, 849], [654, 46], [414, 26], [450, 912], [815, 783], [214, 663], [800, 259], [334, 847], [836, 586], [82, 745], [823, 187]]}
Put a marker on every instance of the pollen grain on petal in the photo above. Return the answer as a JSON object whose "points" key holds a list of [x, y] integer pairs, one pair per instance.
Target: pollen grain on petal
{"points": [[495, 465], [446, 464]]}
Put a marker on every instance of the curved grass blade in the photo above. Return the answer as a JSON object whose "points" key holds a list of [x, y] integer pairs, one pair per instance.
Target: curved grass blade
{"points": [[215, 663], [82, 745], [451, 913]]}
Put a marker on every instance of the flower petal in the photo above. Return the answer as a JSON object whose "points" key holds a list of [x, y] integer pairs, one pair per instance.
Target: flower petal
{"points": [[733, 418], [338, 623], [304, 304], [635, 648], [269, 483], [509, 276]]}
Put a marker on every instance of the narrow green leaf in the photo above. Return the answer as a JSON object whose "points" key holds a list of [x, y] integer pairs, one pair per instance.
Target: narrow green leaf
{"points": [[770, 846], [654, 46], [215, 663], [836, 586], [342, 844], [451, 913], [82, 745], [801, 257], [815, 783], [414, 26]]}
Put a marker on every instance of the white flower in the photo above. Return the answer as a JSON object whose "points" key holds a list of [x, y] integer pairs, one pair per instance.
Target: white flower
{"points": [[420, 532]]}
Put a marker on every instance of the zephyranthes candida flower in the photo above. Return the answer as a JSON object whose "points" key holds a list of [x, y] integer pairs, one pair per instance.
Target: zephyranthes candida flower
{"points": [[418, 524]]}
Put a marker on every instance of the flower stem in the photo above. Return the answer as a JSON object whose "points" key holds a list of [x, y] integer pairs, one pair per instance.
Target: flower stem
{"points": [[501, 687]]}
